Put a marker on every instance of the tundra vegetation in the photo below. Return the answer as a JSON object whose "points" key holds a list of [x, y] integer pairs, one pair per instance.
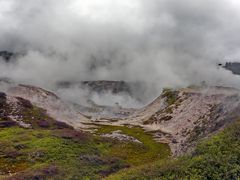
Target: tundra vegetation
{"points": [[48, 149], [54, 150], [217, 157]]}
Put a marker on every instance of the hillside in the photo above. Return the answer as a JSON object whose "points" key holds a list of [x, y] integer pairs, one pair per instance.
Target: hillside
{"points": [[214, 158], [36, 146], [44, 137], [181, 117]]}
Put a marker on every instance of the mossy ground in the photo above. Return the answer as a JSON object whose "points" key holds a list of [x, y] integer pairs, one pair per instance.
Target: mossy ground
{"points": [[53, 150], [136, 153], [28, 150], [215, 158], [63, 153]]}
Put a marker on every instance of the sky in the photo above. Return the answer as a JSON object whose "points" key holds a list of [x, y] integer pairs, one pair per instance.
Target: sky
{"points": [[160, 43]]}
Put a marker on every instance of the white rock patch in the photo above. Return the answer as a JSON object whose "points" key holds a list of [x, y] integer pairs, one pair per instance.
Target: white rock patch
{"points": [[121, 137]]}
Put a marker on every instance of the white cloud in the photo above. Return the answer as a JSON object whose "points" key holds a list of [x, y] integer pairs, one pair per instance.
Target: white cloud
{"points": [[159, 42]]}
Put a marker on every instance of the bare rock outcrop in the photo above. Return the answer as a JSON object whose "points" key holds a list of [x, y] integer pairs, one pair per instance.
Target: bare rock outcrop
{"points": [[194, 114]]}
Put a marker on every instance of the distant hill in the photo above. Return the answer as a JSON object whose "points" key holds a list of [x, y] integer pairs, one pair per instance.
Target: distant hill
{"points": [[114, 87], [232, 66]]}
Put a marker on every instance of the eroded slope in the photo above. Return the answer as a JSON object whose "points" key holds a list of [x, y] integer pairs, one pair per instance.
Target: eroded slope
{"points": [[192, 114], [34, 145]]}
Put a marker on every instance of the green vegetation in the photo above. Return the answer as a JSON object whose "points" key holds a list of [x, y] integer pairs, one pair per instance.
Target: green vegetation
{"points": [[215, 158], [53, 150], [136, 153], [74, 155], [170, 95]]}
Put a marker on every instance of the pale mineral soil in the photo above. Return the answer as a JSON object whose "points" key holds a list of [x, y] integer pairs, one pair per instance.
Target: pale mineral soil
{"points": [[194, 113], [177, 117]]}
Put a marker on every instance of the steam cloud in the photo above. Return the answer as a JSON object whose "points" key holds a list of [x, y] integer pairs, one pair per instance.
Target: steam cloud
{"points": [[161, 43]]}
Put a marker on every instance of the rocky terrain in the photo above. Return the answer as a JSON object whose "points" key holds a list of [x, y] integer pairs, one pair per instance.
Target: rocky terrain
{"points": [[192, 114], [178, 119], [182, 117], [36, 143]]}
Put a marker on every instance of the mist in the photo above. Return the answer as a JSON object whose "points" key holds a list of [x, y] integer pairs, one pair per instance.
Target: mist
{"points": [[160, 43]]}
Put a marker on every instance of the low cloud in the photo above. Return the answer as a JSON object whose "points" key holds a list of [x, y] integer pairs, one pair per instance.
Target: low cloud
{"points": [[160, 43]]}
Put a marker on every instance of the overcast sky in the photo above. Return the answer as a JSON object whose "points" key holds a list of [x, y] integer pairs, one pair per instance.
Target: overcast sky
{"points": [[164, 43]]}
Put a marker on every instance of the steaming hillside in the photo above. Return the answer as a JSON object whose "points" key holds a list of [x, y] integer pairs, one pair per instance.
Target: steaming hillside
{"points": [[177, 117], [182, 117], [173, 124], [108, 93], [128, 89], [114, 87]]}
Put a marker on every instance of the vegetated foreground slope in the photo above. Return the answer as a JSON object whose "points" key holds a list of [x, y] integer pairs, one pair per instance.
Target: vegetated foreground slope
{"points": [[215, 158], [177, 117], [38, 139], [33, 145]]}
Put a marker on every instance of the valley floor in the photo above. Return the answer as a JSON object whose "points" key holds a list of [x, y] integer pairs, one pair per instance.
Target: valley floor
{"points": [[63, 153], [67, 154], [34, 145]]}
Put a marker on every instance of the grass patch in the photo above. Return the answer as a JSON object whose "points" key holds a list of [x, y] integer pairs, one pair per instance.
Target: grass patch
{"points": [[136, 153], [215, 158], [170, 95], [30, 150], [70, 154]]}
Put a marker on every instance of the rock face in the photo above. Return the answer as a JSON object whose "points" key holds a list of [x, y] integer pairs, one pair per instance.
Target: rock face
{"points": [[182, 117], [54, 106], [17, 111], [5, 120], [233, 66], [191, 114], [12, 111]]}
